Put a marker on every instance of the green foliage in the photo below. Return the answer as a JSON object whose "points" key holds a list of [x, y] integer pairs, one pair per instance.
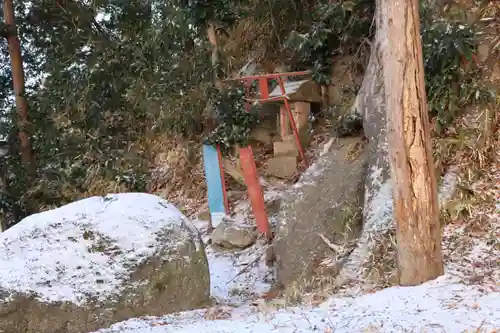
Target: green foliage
{"points": [[201, 12], [235, 124], [110, 81], [447, 48], [340, 28], [117, 74], [121, 72]]}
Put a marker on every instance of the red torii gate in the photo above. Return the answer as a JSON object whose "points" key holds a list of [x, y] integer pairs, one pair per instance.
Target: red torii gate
{"points": [[246, 153]]}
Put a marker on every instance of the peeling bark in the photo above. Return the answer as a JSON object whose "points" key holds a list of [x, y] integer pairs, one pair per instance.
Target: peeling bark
{"points": [[416, 208], [372, 104]]}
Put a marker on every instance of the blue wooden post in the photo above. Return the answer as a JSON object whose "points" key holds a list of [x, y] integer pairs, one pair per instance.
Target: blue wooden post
{"points": [[215, 186]]}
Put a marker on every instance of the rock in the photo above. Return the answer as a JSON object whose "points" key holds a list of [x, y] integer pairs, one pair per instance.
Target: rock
{"points": [[273, 206], [97, 261], [285, 148], [263, 135], [231, 234], [350, 125], [270, 256], [377, 211], [327, 201], [204, 215], [282, 166]]}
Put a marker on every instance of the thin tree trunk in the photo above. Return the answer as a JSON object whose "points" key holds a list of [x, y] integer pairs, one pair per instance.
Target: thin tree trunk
{"points": [[416, 208], [212, 38], [26, 150]]}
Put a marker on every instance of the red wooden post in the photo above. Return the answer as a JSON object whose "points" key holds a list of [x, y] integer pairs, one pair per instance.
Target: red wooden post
{"points": [[255, 190], [292, 122], [263, 88], [250, 171]]}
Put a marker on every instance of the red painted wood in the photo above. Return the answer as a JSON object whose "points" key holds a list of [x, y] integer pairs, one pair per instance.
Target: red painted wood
{"points": [[263, 88], [292, 123], [223, 180], [254, 190], [246, 154], [268, 76]]}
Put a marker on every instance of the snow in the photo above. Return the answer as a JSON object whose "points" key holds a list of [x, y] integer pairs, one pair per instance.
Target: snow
{"points": [[217, 218], [48, 254], [87, 248], [378, 213], [448, 304], [228, 285], [238, 275], [449, 183], [442, 305]]}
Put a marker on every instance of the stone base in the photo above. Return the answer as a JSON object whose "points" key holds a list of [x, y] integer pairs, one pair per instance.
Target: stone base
{"points": [[300, 112], [282, 166], [230, 234], [262, 135], [285, 148]]}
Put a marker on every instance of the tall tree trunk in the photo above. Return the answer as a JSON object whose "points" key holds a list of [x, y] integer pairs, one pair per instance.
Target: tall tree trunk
{"points": [[371, 103], [416, 207], [27, 157]]}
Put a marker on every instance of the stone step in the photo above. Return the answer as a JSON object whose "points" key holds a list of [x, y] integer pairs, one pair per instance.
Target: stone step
{"points": [[285, 148]]}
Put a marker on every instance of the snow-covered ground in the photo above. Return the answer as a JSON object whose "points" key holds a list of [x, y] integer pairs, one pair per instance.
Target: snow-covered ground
{"points": [[454, 303], [442, 305], [239, 276], [236, 276], [466, 299]]}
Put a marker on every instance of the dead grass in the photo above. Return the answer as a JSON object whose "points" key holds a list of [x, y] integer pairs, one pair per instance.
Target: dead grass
{"points": [[258, 40], [177, 172], [310, 291], [381, 269], [247, 40]]}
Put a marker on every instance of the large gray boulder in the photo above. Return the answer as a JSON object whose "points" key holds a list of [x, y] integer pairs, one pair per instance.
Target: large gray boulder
{"points": [[323, 208], [98, 261]]}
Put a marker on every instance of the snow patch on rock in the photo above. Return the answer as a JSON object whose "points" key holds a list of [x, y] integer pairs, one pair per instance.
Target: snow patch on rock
{"points": [[87, 248]]}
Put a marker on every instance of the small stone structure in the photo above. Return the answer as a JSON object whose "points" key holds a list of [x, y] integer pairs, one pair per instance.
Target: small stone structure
{"points": [[300, 95]]}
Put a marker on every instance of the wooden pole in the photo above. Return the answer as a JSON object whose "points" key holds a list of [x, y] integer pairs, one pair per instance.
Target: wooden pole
{"points": [[27, 157], [292, 123]]}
